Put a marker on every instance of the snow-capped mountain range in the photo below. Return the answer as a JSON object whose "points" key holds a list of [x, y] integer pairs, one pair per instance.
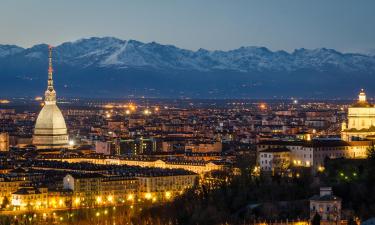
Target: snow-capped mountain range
{"points": [[156, 66], [122, 54]]}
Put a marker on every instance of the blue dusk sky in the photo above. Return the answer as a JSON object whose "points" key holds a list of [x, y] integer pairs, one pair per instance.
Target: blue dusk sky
{"points": [[344, 25]]}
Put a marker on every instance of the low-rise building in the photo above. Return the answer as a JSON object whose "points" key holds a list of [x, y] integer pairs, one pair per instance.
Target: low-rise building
{"points": [[10, 184], [85, 186], [326, 205], [197, 166], [4, 142], [274, 160], [165, 186], [204, 147], [29, 198], [313, 153]]}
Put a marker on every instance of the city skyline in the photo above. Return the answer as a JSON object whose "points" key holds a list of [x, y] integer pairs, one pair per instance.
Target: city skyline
{"points": [[187, 112]]}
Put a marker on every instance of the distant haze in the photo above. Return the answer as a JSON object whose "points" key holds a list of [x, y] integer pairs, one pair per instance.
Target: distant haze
{"points": [[344, 25]]}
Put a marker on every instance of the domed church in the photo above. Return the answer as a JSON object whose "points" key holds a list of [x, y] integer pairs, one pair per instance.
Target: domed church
{"points": [[361, 120], [50, 129]]}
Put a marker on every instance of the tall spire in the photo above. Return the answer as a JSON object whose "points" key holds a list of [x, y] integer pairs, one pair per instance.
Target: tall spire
{"points": [[50, 69], [50, 94]]}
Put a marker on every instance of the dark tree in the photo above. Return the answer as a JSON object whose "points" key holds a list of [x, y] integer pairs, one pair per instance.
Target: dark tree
{"points": [[316, 219], [5, 202]]}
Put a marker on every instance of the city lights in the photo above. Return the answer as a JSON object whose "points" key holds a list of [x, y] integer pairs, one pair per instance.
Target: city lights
{"points": [[98, 199], [71, 142], [168, 195], [77, 201], [97, 156], [110, 198], [262, 106], [147, 112], [148, 196], [130, 197], [132, 107]]}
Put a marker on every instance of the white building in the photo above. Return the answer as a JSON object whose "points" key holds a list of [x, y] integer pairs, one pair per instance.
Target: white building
{"points": [[313, 153], [361, 120], [274, 159], [326, 205]]}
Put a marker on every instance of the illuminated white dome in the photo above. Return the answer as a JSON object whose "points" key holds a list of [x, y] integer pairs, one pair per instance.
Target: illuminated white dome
{"points": [[50, 128], [50, 121]]}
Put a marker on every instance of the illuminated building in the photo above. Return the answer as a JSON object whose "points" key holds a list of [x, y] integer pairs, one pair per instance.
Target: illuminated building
{"points": [[313, 153], [30, 198], [85, 187], [50, 128], [97, 189], [204, 147], [361, 120], [61, 199], [105, 147], [327, 206], [138, 146], [157, 186], [10, 184], [118, 189], [199, 167], [274, 159], [4, 141]]}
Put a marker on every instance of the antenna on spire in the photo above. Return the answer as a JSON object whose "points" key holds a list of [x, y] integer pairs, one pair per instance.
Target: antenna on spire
{"points": [[50, 69]]}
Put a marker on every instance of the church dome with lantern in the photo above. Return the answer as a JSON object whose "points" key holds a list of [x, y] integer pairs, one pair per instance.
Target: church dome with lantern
{"points": [[360, 123]]}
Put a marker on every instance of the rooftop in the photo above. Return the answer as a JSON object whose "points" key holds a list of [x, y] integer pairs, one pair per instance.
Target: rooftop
{"points": [[275, 150]]}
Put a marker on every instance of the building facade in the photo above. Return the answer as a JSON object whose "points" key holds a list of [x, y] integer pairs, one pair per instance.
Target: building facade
{"points": [[326, 205], [4, 142], [274, 159], [313, 153], [361, 120]]}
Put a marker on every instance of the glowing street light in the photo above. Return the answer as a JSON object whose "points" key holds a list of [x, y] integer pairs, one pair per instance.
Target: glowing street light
{"points": [[71, 143], [147, 112], [148, 196], [99, 199], [77, 201], [110, 198], [132, 107], [263, 106], [130, 197], [168, 195]]}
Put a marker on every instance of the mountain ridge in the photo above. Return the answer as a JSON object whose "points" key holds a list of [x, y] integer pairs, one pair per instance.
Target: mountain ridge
{"points": [[203, 72]]}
